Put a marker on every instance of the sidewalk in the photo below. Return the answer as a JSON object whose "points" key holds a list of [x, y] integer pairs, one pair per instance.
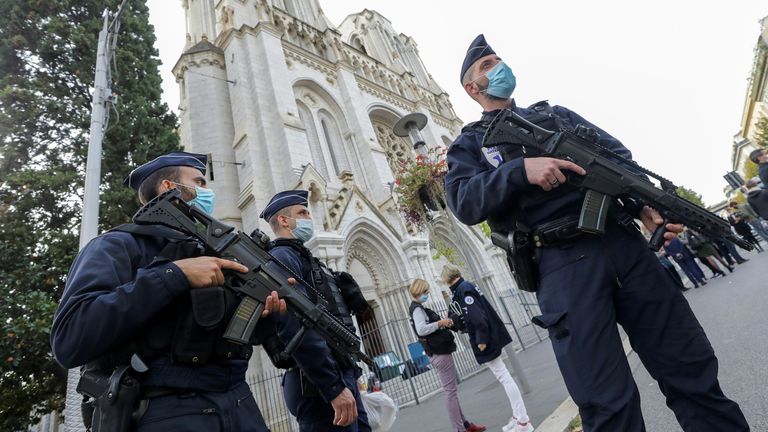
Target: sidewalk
{"points": [[483, 400]]}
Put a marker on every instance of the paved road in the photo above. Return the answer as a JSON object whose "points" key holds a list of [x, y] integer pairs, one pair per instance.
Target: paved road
{"points": [[732, 311], [483, 400]]}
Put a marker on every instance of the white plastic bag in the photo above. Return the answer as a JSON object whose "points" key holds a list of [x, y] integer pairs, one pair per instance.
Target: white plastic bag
{"points": [[381, 410]]}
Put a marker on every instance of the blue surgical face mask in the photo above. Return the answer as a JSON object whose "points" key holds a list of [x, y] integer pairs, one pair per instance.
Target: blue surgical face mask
{"points": [[304, 230], [423, 298], [501, 81], [204, 199]]}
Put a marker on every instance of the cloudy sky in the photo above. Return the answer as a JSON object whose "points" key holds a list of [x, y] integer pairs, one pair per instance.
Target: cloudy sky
{"points": [[668, 78]]}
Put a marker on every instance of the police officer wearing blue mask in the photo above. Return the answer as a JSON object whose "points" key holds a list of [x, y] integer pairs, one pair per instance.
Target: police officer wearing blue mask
{"points": [[586, 283], [320, 385], [147, 291]]}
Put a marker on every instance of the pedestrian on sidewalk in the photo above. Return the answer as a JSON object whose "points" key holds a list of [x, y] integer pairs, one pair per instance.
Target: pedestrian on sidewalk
{"points": [[728, 251], [705, 251], [751, 217], [439, 345], [685, 258], [488, 336], [739, 222]]}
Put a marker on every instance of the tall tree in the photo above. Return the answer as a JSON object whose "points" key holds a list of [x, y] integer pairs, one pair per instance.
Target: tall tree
{"points": [[761, 132], [690, 195], [47, 56]]}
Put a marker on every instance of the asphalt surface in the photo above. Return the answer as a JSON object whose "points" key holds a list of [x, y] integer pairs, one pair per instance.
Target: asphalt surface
{"points": [[483, 400], [732, 312]]}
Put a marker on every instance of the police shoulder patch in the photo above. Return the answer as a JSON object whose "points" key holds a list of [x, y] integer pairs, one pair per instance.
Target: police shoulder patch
{"points": [[469, 300], [492, 155]]}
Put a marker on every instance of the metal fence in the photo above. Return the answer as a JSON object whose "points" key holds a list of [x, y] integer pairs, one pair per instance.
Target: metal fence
{"points": [[402, 369]]}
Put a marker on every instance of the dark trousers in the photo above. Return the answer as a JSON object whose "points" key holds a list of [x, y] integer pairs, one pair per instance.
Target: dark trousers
{"points": [[231, 411], [589, 286], [735, 253], [692, 270], [728, 251], [709, 265], [313, 413]]}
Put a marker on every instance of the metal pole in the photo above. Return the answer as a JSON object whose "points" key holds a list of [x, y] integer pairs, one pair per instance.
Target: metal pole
{"points": [[517, 370], [90, 223], [404, 358], [511, 320]]}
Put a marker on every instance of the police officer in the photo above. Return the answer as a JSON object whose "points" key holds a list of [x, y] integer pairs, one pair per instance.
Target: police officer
{"points": [[488, 336], [137, 290], [760, 157], [589, 283], [685, 258], [320, 388]]}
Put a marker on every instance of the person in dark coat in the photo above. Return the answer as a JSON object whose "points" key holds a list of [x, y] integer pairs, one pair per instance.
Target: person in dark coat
{"points": [[685, 259], [739, 222], [585, 283], [705, 251], [131, 291], [728, 251], [320, 390], [760, 157], [757, 198], [488, 336]]}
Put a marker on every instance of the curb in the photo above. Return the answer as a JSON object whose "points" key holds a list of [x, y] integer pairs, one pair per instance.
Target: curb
{"points": [[561, 417]]}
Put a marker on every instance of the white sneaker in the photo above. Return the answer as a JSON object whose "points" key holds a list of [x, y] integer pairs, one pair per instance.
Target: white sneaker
{"points": [[515, 426], [510, 426], [524, 427]]}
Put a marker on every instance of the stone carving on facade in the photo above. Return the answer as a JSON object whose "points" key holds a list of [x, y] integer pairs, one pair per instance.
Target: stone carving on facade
{"points": [[338, 203], [227, 18]]}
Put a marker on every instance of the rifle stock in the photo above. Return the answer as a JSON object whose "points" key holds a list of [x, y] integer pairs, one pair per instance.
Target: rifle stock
{"points": [[265, 273]]}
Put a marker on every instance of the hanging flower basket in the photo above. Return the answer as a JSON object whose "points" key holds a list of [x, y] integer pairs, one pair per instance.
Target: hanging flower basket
{"points": [[419, 186]]}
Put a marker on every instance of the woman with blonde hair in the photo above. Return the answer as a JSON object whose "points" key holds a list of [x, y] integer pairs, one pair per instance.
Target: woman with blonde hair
{"points": [[439, 345], [488, 337]]}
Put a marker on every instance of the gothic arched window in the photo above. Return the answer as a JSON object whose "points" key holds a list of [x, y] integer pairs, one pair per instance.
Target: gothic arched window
{"points": [[333, 141], [398, 151], [315, 147], [290, 7]]}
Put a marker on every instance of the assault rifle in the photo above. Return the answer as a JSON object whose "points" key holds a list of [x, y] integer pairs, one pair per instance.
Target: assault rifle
{"points": [[609, 176], [265, 274]]}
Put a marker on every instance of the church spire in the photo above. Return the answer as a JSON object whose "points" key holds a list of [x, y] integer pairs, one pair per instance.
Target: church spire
{"points": [[201, 21]]}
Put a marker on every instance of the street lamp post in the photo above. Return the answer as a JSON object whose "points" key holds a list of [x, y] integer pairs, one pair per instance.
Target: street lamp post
{"points": [[410, 126]]}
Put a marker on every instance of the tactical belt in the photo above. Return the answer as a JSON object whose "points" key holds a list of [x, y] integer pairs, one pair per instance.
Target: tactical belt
{"points": [[152, 392], [566, 228], [556, 232]]}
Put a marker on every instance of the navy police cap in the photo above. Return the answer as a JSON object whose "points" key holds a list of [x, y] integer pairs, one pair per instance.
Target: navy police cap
{"points": [[282, 200], [478, 48], [138, 175]]}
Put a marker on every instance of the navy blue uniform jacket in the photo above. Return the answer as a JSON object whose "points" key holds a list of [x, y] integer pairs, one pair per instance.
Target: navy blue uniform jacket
{"points": [[762, 171], [313, 355], [478, 184], [114, 288], [483, 324], [676, 247]]}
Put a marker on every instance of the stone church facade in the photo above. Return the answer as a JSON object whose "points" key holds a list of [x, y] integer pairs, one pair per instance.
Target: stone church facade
{"points": [[282, 99]]}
